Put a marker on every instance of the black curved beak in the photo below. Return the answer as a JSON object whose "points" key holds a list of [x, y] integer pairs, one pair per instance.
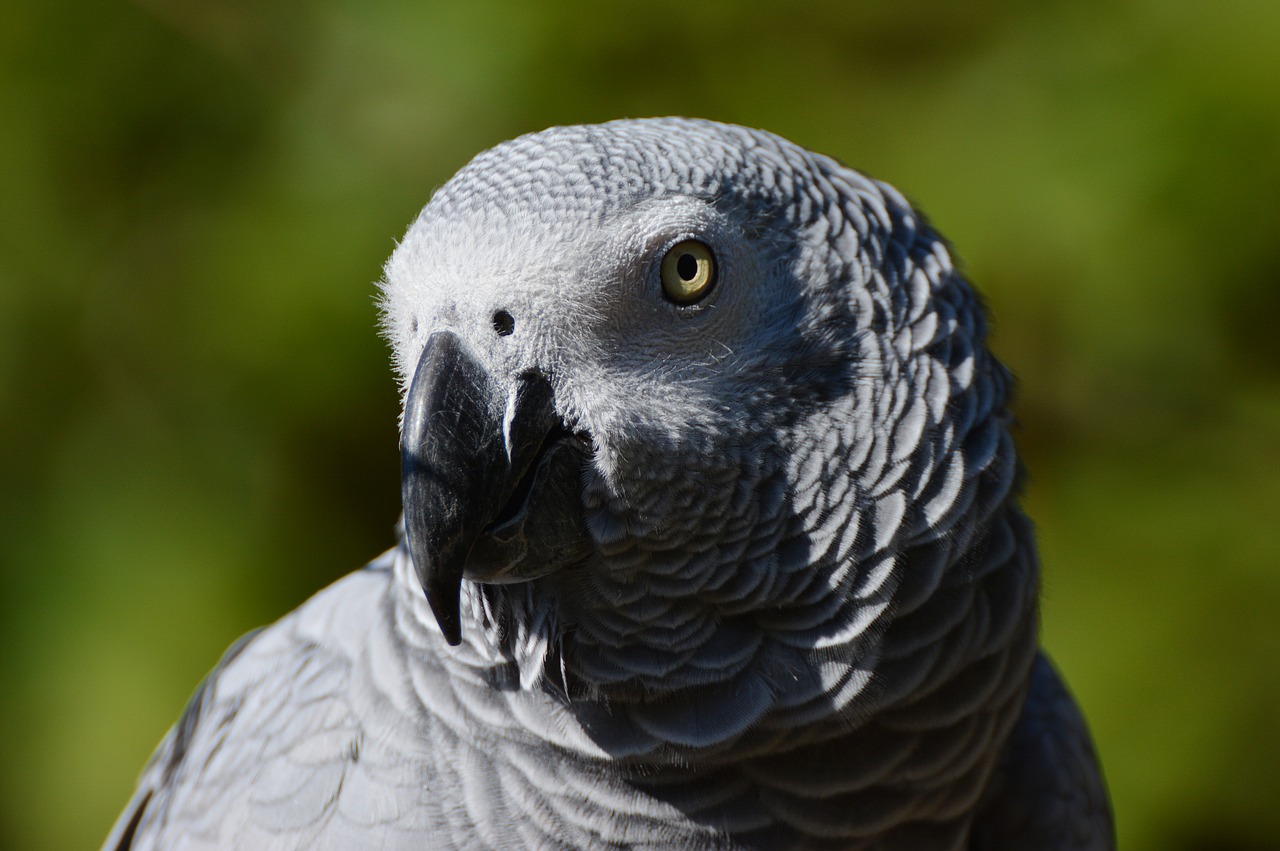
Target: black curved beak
{"points": [[469, 448]]}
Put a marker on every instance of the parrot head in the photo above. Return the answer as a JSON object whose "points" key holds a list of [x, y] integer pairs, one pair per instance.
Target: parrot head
{"points": [[680, 399]]}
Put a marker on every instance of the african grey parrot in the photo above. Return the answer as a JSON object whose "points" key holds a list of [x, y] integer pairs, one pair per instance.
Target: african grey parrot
{"points": [[708, 480]]}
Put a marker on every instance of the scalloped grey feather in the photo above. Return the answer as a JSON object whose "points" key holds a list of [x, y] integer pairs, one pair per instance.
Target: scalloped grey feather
{"points": [[799, 608]]}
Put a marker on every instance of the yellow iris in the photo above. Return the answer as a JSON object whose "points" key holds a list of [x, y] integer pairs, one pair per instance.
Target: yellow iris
{"points": [[688, 271]]}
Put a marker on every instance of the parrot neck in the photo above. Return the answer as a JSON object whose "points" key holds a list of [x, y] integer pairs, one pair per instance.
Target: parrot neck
{"points": [[769, 694], [842, 747]]}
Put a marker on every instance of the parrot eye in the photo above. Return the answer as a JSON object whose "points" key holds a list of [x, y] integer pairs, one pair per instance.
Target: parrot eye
{"points": [[688, 271]]}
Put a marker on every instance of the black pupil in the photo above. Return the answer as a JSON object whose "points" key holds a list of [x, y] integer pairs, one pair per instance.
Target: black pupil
{"points": [[687, 267]]}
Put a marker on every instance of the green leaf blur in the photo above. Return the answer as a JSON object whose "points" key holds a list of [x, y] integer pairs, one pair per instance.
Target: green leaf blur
{"points": [[198, 420]]}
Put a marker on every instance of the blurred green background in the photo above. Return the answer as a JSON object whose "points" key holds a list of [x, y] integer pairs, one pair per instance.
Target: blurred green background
{"points": [[198, 421]]}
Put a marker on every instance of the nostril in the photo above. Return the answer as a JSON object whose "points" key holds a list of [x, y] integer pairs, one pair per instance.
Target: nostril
{"points": [[504, 323]]}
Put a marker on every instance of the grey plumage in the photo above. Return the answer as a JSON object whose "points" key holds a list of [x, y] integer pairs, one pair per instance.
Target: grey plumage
{"points": [[748, 571]]}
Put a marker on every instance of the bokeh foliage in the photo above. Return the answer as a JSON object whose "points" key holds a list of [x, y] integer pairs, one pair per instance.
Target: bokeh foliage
{"points": [[198, 423]]}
